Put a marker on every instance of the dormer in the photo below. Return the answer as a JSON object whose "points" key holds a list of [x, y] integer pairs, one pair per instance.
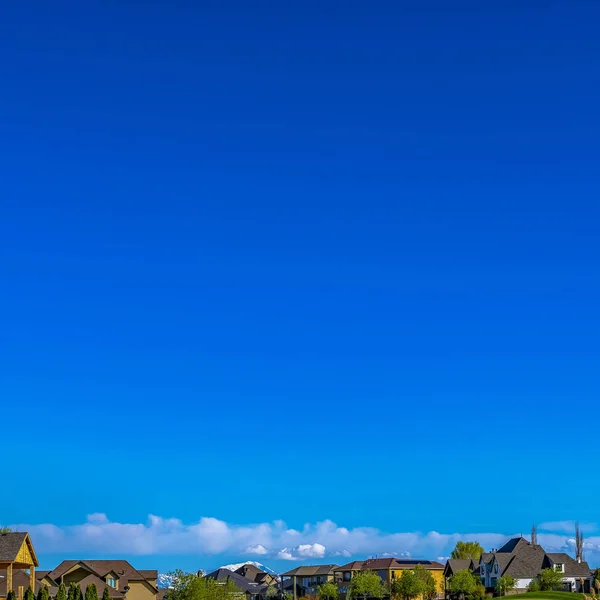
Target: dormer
{"points": [[112, 579]]}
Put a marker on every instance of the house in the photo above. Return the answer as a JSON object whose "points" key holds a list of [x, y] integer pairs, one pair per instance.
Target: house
{"points": [[524, 561], [16, 556], [453, 565], [251, 589], [253, 573], [122, 580], [389, 569], [307, 579]]}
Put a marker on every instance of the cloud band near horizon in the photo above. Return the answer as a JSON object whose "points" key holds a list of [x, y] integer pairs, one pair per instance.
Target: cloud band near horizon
{"points": [[211, 536]]}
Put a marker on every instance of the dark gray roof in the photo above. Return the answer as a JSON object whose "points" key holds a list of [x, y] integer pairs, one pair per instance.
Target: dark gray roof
{"points": [[487, 557], [10, 544], [526, 562], [513, 544], [571, 566], [457, 564], [245, 585]]}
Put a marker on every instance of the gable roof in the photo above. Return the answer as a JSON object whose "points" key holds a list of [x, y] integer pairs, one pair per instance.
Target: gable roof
{"points": [[11, 543], [245, 585], [457, 564], [310, 571], [21, 578], [513, 544], [355, 565], [572, 568]]}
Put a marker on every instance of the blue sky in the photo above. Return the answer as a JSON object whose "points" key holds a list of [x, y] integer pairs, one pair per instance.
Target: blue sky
{"points": [[297, 265]]}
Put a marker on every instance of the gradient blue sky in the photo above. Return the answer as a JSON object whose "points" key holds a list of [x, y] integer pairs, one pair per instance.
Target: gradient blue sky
{"points": [[297, 261]]}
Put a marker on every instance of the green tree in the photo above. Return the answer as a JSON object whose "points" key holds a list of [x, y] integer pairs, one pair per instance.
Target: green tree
{"points": [[533, 586], [11, 595], [187, 586], [462, 584], [429, 590], [106, 593], [29, 595], [328, 591], [505, 584], [479, 593], [550, 580], [408, 586], [91, 593], [43, 593], [61, 593], [466, 550], [73, 592], [366, 584], [272, 592], [5, 529]]}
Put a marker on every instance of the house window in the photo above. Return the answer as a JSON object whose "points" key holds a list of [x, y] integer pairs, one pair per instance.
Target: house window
{"points": [[559, 567], [346, 575], [496, 568], [112, 582]]}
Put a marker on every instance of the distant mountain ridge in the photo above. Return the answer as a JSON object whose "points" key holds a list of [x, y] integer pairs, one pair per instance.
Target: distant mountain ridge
{"points": [[166, 581]]}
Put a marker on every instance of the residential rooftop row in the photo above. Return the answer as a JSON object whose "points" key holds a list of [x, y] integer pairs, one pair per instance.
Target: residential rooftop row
{"points": [[519, 558]]}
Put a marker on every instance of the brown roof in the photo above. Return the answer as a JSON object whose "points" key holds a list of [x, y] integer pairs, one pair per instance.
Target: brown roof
{"points": [[355, 565], [148, 573], [311, 571], [377, 564], [101, 568], [20, 577]]}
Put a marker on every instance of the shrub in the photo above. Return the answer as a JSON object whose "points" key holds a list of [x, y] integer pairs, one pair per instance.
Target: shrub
{"points": [[534, 586]]}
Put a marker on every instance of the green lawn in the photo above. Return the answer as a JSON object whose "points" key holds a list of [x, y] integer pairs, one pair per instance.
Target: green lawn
{"points": [[547, 596]]}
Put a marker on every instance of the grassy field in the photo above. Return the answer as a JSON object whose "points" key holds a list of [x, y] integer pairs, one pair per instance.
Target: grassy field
{"points": [[548, 596]]}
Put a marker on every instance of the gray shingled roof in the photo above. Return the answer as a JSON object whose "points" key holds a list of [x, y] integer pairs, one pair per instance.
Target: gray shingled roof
{"points": [[572, 567], [457, 564], [513, 544], [10, 544], [245, 585]]}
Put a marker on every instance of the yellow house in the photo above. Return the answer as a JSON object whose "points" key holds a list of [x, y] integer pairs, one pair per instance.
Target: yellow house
{"points": [[389, 569], [17, 556]]}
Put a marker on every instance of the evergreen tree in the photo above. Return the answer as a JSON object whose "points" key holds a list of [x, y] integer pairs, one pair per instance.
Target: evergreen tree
{"points": [[106, 594], [43, 593], [91, 593], [74, 592], [29, 595], [61, 594], [11, 596]]}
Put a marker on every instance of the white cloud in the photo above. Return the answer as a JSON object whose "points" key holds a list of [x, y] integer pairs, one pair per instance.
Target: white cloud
{"points": [[211, 536], [567, 527]]}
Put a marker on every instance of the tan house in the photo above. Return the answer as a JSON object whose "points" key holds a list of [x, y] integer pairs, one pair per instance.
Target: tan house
{"points": [[122, 580], [305, 580]]}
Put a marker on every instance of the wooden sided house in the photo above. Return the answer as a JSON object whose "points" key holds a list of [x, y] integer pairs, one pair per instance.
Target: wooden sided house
{"points": [[18, 571], [17, 563]]}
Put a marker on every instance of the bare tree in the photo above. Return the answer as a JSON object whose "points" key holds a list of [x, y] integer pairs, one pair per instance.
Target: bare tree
{"points": [[578, 543], [534, 535]]}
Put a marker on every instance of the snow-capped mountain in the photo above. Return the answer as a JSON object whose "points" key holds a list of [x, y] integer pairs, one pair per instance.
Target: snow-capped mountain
{"points": [[235, 566], [165, 581]]}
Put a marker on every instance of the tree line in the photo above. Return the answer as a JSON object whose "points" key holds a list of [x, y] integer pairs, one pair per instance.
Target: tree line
{"points": [[73, 592]]}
